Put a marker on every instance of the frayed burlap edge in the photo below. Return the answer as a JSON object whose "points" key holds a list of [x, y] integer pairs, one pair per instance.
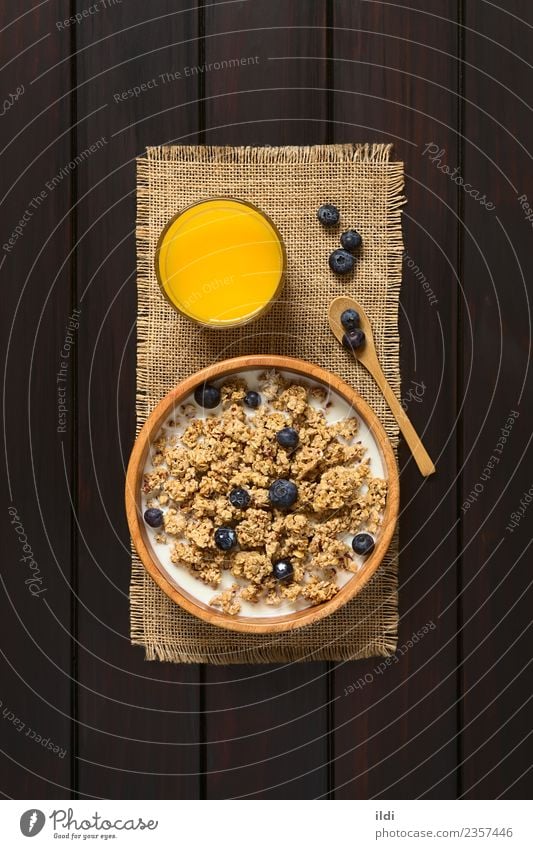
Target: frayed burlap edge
{"points": [[233, 650], [317, 153], [270, 652]]}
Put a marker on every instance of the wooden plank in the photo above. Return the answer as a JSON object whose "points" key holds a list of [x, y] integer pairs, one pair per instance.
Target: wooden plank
{"points": [[266, 727], [266, 731], [271, 96], [35, 697], [395, 78], [139, 723], [496, 385]]}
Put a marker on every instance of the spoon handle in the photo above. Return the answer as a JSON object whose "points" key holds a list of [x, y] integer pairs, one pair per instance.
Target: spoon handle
{"points": [[422, 458]]}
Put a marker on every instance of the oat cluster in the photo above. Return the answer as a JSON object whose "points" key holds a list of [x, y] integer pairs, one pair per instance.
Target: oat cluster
{"points": [[195, 467]]}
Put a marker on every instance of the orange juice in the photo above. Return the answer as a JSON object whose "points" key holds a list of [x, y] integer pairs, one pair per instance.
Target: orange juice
{"points": [[220, 262]]}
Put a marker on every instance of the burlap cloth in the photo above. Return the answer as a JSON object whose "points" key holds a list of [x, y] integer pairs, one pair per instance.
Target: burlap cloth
{"points": [[289, 183]]}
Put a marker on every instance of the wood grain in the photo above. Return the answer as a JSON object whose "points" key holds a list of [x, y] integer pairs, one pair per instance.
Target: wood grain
{"points": [[139, 722], [496, 386], [452, 716], [35, 659], [395, 76]]}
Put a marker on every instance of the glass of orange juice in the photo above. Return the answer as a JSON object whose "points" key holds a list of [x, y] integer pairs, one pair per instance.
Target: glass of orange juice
{"points": [[221, 262]]}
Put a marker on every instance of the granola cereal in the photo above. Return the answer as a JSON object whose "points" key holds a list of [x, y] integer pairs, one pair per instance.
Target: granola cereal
{"points": [[201, 456]]}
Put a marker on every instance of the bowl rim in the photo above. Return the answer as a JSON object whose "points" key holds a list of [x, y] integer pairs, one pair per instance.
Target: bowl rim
{"points": [[241, 321], [247, 624]]}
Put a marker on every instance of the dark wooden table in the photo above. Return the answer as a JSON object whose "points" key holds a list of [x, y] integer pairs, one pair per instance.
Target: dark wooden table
{"points": [[449, 83]]}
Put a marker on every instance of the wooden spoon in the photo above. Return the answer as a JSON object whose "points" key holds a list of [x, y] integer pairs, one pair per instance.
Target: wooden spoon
{"points": [[368, 357]]}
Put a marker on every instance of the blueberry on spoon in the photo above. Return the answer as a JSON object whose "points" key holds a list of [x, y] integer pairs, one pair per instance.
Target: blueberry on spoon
{"points": [[350, 320], [354, 339]]}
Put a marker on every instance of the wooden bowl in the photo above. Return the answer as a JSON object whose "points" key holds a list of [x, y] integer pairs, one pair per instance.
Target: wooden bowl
{"points": [[266, 624]]}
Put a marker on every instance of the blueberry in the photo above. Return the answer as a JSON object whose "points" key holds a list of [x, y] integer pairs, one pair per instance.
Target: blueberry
{"points": [[207, 396], [239, 498], [288, 437], [225, 538], [350, 320], [341, 262], [353, 340], [350, 240], [363, 543], [328, 215], [153, 517], [282, 570], [252, 399], [283, 494]]}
